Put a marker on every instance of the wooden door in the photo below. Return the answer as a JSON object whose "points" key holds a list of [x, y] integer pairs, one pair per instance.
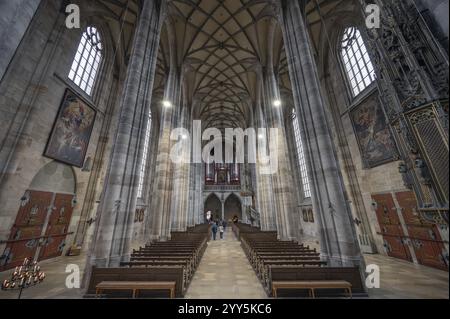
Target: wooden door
{"points": [[57, 227], [391, 228], [27, 229], [425, 238]]}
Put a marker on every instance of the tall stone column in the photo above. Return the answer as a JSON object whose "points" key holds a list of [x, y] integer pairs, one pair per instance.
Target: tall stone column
{"points": [[116, 211], [163, 185], [179, 213], [223, 210], [264, 181], [287, 221], [339, 245], [197, 213]]}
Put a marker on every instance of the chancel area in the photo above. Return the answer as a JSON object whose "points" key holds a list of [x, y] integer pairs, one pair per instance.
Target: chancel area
{"points": [[224, 149]]}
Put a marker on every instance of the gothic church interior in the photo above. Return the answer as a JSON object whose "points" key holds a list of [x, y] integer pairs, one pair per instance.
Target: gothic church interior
{"points": [[224, 149]]}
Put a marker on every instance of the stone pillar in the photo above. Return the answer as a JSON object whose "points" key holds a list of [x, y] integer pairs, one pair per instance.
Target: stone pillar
{"points": [[287, 221], [15, 18], [117, 208], [163, 185], [179, 210], [223, 209], [339, 245], [264, 182], [198, 199], [153, 152]]}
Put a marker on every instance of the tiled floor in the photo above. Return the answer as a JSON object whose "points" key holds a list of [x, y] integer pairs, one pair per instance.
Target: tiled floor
{"points": [[225, 273]]}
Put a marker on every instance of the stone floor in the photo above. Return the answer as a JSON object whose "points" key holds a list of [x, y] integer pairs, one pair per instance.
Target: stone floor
{"points": [[224, 273], [54, 285], [404, 280]]}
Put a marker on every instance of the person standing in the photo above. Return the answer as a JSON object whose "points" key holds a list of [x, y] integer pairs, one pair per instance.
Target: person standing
{"points": [[221, 231], [214, 230]]}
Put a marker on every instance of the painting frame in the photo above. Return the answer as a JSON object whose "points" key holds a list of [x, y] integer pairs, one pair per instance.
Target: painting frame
{"points": [[72, 130], [373, 123]]}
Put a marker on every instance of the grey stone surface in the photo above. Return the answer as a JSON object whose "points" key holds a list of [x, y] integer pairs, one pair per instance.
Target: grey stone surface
{"points": [[337, 235], [15, 17]]}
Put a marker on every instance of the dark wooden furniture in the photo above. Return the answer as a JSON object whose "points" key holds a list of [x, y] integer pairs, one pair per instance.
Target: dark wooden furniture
{"points": [[136, 286], [312, 286]]}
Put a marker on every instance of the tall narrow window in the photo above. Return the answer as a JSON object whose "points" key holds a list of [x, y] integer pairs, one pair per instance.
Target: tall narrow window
{"points": [[87, 60], [301, 156], [143, 170], [357, 61]]}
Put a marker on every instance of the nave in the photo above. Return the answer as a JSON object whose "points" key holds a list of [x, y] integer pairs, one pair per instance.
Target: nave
{"points": [[225, 273]]}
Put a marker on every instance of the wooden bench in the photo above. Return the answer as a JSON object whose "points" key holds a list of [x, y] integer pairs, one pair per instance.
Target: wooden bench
{"points": [[136, 286], [312, 286], [150, 274]]}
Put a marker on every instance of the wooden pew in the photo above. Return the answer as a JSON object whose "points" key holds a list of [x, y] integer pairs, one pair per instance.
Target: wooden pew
{"points": [[312, 286], [172, 261], [287, 274], [185, 250], [136, 287], [293, 266], [151, 274]]}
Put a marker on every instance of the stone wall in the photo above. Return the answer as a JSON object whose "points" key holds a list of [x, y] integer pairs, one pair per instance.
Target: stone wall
{"points": [[357, 178], [438, 9], [30, 96], [15, 17]]}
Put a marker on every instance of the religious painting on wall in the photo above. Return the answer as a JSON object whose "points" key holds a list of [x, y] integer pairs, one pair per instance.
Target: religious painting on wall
{"points": [[71, 132], [372, 133]]}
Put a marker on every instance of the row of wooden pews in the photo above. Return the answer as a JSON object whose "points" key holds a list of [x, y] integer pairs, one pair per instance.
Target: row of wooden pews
{"points": [[290, 269], [163, 266], [186, 253]]}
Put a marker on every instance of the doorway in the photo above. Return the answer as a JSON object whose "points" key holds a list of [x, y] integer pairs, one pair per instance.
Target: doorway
{"points": [[41, 225], [214, 205], [233, 208]]}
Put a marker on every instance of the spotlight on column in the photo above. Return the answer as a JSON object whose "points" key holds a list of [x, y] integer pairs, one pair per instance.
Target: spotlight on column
{"points": [[261, 136], [167, 103], [184, 137], [277, 103]]}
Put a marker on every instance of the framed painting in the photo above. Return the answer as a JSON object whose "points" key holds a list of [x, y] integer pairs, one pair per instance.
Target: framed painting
{"points": [[71, 133], [372, 133]]}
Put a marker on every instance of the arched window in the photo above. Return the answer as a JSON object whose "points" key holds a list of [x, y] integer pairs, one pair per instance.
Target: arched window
{"points": [[356, 60], [143, 170], [87, 60], [301, 156]]}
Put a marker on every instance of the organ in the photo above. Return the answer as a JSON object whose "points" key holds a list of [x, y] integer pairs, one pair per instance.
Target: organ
{"points": [[222, 174]]}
